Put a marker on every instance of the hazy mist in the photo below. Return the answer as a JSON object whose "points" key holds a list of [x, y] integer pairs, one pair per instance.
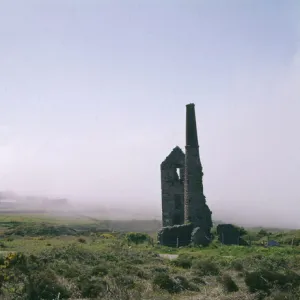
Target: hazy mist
{"points": [[93, 95]]}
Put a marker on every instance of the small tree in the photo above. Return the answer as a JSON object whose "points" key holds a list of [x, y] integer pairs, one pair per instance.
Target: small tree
{"points": [[137, 237], [262, 233], [243, 231]]}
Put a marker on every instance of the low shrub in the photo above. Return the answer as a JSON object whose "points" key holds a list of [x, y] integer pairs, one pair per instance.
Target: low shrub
{"points": [[284, 296], [100, 270], [185, 284], [93, 288], [228, 283], [183, 261], [205, 267], [125, 281], [107, 236], [81, 240], [165, 282], [44, 285], [159, 270], [198, 280], [136, 237], [265, 280], [67, 270], [237, 265]]}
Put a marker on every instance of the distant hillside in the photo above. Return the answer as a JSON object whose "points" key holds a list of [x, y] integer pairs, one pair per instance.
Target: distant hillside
{"points": [[11, 200]]}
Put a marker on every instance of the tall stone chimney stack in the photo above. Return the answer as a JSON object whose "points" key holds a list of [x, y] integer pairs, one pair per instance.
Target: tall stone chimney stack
{"points": [[191, 136], [196, 210]]}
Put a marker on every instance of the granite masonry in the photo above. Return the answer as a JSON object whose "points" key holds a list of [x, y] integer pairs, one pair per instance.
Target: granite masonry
{"points": [[172, 188], [183, 200], [229, 234]]}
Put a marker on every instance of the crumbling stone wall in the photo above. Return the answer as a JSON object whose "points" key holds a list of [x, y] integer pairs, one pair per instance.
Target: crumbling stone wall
{"points": [[229, 234], [170, 235], [173, 188], [199, 237]]}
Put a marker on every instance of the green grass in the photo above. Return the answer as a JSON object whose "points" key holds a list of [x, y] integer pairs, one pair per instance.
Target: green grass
{"points": [[29, 218], [88, 263]]}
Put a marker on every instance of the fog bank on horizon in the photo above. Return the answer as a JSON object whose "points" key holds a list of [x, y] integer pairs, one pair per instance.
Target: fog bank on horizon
{"points": [[93, 95]]}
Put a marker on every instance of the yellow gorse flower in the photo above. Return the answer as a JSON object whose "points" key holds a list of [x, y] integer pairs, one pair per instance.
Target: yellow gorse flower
{"points": [[9, 258]]}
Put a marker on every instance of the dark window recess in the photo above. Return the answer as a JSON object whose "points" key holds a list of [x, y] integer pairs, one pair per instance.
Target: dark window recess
{"points": [[178, 202]]}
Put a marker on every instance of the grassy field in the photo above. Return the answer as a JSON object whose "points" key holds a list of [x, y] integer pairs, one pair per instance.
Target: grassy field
{"points": [[43, 257]]}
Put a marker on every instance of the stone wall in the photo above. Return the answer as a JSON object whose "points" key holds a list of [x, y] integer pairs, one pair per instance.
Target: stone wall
{"points": [[173, 236], [229, 234], [199, 237], [172, 188]]}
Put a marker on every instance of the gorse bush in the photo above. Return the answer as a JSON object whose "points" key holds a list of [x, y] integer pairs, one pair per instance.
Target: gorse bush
{"points": [[183, 261], [82, 240], [137, 238], [92, 287], [265, 280], [107, 236], [45, 285], [237, 265], [228, 283], [173, 285], [205, 267], [185, 284], [165, 282]]}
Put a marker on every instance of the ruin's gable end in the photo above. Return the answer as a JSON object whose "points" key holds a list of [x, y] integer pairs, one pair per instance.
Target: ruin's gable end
{"points": [[172, 185]]}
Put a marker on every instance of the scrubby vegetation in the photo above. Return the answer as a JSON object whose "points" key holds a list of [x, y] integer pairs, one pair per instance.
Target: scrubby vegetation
{"points": [[48, 260]]}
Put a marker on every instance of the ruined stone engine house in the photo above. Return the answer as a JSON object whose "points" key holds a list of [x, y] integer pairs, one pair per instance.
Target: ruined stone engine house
{"points": [[183, 200]]}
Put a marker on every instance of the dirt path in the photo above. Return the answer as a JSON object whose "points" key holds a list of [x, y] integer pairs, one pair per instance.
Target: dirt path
{"points": [[169, 256]]}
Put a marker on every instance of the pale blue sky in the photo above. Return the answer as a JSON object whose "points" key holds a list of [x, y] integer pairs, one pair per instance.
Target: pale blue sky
{"points": [[93, 95]]}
